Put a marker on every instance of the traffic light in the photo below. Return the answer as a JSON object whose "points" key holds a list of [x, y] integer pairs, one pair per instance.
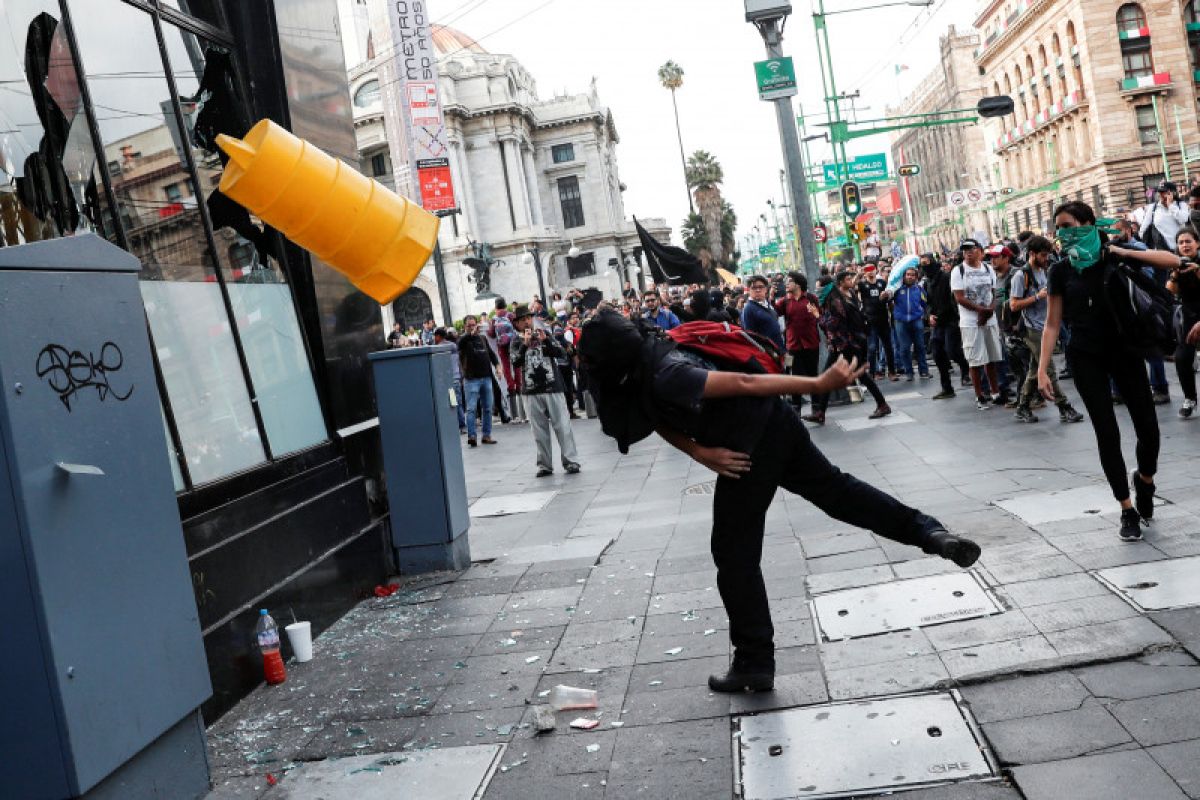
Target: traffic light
{"points": [[908, 170], [1007, 190], [851, 199], [858, 232]]}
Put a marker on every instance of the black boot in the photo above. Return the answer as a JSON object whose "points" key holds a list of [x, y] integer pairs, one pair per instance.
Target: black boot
{"points": [[1143, 496], [940, 542], [742, 680]]}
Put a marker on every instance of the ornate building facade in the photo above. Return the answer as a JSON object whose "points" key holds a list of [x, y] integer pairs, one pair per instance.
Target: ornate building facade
{"points": [[1106, 101], [529, 174]]}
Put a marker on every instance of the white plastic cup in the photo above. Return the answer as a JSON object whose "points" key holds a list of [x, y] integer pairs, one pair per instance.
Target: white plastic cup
{"points": [[563, 698], [300, 636]]}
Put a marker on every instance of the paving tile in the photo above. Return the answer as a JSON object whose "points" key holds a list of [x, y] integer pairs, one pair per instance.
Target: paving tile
{"points": [[1056, 589], [519, 783], [797, 689], [360, 737], [685, 581], [484, 695], [875, 680], [883, 649], [694, 644], [1182, 762], [710, 779], [1031, 652], [536, 581], [1184, 625], [836, 543], [685, 672], [592, 656], [700, 619], [519, 640], [1025, 696], [1079, 613], [1118, 555], [563, 751], [967, 790], [1161, 719], [246, 752], [678, 602], [1111, 776], [1057, 736], [1051, 566], [238, 788], [1109, 639], [682, 743], [1154, 673], [974, 632], [674, 705], [847, 561], [849, 579]]}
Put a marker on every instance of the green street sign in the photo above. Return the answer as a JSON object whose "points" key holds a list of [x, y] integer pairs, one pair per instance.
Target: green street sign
{"points": [[776, 78], [866, 169], [768, 250]]}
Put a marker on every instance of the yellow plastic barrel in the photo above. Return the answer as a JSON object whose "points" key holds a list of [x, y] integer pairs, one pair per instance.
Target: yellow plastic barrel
{"points": [[375, 237]]}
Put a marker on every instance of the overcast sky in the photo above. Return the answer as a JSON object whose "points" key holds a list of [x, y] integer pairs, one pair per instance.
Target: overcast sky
{"points": [[565, 43]]}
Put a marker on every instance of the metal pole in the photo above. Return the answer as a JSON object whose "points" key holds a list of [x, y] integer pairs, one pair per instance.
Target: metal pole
{"points": [[832, 106], [1182, 150], [1162, 144], [443, 293], [772, 33]]}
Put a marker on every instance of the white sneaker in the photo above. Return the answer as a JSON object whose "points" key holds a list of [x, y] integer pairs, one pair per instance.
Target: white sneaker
{"points": [[1187, 408]]}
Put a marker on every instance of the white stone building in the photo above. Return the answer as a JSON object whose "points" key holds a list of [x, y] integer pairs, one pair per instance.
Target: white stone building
{"points": [[528, 173]]}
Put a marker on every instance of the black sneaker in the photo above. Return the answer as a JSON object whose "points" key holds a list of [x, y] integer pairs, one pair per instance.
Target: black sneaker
{"points": [[944, 394], [542, 473], [573, 468], [1161, 398], [940, 542], [1023, 414], [736, 680], [982, 403], [1067, 413], [1131, 525], [1143, 496]]}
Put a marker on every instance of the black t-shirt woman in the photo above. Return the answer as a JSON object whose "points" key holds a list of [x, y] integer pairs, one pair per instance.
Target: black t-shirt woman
{"points": [[845, 328], [1096, 354], [1185, 284]]}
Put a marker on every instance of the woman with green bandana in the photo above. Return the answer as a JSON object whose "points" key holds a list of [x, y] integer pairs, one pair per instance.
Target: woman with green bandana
{"points": [[1095, 353]]}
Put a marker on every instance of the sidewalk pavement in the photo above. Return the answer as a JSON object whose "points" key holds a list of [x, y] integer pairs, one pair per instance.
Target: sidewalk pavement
{"points": [[610, 586]]}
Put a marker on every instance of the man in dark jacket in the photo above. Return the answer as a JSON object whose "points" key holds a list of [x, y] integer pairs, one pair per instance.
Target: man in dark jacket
{"points": [[947, 339], [875, 300], [477, 360], [757, 315], [535, 355]]}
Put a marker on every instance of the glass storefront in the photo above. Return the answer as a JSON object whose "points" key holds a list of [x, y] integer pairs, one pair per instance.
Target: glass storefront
{"points": [[113, 132]]}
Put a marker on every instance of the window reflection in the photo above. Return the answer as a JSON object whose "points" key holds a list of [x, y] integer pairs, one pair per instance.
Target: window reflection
{"points": [[145, 155], [46, 155], [246, 250]]}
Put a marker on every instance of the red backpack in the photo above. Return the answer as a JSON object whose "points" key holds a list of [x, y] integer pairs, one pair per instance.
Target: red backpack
{"points": [[729, 346]]}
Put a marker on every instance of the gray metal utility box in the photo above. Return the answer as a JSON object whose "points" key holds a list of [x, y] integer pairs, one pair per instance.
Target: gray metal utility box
{"points": [[427, 490], [102, 665]]}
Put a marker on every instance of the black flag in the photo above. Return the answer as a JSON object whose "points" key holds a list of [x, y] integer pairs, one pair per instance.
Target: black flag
{"points": [[669, 264]]}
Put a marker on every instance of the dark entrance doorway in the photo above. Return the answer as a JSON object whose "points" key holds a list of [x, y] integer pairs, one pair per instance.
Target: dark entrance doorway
{"points": [[412, 308]]}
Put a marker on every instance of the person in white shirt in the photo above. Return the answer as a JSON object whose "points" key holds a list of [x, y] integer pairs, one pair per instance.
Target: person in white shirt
{"points": [[1162, 220], [974, 286], [872, 247]]}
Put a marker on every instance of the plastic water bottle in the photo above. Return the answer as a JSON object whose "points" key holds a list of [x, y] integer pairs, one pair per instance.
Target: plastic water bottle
{"points": [[266, 632]]}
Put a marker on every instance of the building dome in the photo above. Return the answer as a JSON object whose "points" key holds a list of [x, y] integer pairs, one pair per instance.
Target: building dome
{"points": [[447, 40]]}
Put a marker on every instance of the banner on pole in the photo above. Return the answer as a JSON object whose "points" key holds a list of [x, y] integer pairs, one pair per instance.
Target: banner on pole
{"points": [[413, 118]]}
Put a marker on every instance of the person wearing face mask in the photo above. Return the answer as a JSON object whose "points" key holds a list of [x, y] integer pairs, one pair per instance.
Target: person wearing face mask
{"points": [[1078, 292]]}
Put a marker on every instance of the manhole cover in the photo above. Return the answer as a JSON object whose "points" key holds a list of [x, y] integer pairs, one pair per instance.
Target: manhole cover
{"points": [[900, 605], [844, 749], [702, 488], [504, 504], [1156, 585], [1038, 508]]}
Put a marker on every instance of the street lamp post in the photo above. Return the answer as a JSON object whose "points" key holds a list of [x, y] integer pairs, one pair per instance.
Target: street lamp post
{"points": [[534, 256], [770, 17]]}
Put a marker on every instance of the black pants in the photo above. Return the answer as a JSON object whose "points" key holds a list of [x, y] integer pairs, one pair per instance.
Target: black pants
{"points": [[568, 376], [804, 364], [1128, 373], [788, 459], [498, 401], [883, 335], [947, 346], [1185, 368], [821, 401]]}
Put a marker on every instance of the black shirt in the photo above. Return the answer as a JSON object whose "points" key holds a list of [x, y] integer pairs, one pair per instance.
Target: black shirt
{"points": [[1085, 307], [475, 356], [678, 395], [871, 295]]}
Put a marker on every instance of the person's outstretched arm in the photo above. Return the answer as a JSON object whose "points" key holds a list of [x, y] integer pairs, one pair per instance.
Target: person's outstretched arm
{"points": [[721, 460], [1159, 259], [739, 384]]}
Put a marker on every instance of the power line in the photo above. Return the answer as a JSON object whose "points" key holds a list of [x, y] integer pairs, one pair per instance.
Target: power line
{"points": [[878, 66]]}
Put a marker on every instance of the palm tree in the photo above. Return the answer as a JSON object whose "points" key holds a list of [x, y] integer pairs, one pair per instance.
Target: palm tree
{"points": [[704, 176], [670, 75]]}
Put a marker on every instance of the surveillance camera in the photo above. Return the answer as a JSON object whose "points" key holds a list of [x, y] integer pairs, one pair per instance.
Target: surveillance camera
{"points": [[758, 10]]}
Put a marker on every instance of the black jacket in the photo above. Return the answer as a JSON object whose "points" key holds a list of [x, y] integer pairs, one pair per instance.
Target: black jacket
{"points": [[941, 300]]}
